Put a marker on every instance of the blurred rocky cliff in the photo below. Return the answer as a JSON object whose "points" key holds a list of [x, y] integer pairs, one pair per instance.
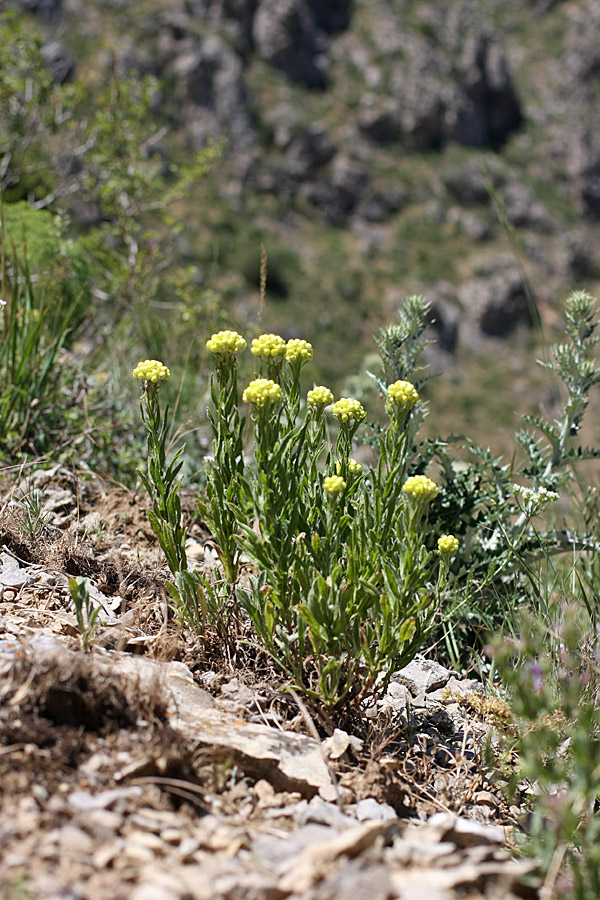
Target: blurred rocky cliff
{"points": [[376, 147]]}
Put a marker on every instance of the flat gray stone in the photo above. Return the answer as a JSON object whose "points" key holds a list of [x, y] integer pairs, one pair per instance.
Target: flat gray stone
{"points": [[396, 698], [371, 809], [279, 853], [336, 745], [7, 561], [166, 891], [315, 862], [421, 676], [322, 813], [463, 832], [291, 762], [397, 691], [14, 577], [83, 801], [468, 833]]}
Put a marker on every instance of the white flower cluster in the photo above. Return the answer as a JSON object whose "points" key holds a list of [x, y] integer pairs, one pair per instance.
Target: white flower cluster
{"points": [[534, 500]]}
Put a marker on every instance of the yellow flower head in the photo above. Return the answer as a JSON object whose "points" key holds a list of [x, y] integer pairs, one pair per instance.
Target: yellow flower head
{"points": [[226, 343], [319, 398], [403, 395], [354, 467], [420, 487], [334, 485], [151, 371], [447, 544], [348, 410], [262, 392], [269, 347], [298, 350]]}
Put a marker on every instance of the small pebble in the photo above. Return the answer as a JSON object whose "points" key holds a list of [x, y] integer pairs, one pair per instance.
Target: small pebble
{"points": [[487, 798]]}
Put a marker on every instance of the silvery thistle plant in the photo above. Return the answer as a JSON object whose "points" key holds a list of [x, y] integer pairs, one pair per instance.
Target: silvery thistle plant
{"points": [[491, 504]]}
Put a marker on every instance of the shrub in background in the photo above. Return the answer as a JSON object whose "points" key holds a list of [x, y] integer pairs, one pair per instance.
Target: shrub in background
{"points": [[93, 153], [33, 333], [90, 194], [58, 264], [49, 405]]}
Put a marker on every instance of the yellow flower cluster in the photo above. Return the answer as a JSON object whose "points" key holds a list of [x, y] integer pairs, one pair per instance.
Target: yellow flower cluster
{"points": [[226, 343], [347, 409], [262, 392], [319, 397], [354, 467], [420, 487], [268, 346], [402, 394], [298, 349], [447, 544], [152, 371], [334, 485]]}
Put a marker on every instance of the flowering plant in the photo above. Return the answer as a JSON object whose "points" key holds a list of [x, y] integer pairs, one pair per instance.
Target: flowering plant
{"points": [[161, 480], [343, 589]]}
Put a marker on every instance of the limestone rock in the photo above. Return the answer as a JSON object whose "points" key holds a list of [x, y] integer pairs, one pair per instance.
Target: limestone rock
{"points": [[456, 88], [285, 36], [211, 82], [494, 305], [290, 761], [331, 15], [422, 676], [233, 17]]}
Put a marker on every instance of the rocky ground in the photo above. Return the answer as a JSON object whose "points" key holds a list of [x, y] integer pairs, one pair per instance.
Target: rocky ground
{"points": [[157, 767]]}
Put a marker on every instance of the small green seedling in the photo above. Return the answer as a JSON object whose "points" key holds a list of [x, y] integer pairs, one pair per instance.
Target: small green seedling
{"points": [[86, 613], [31, 517]]}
